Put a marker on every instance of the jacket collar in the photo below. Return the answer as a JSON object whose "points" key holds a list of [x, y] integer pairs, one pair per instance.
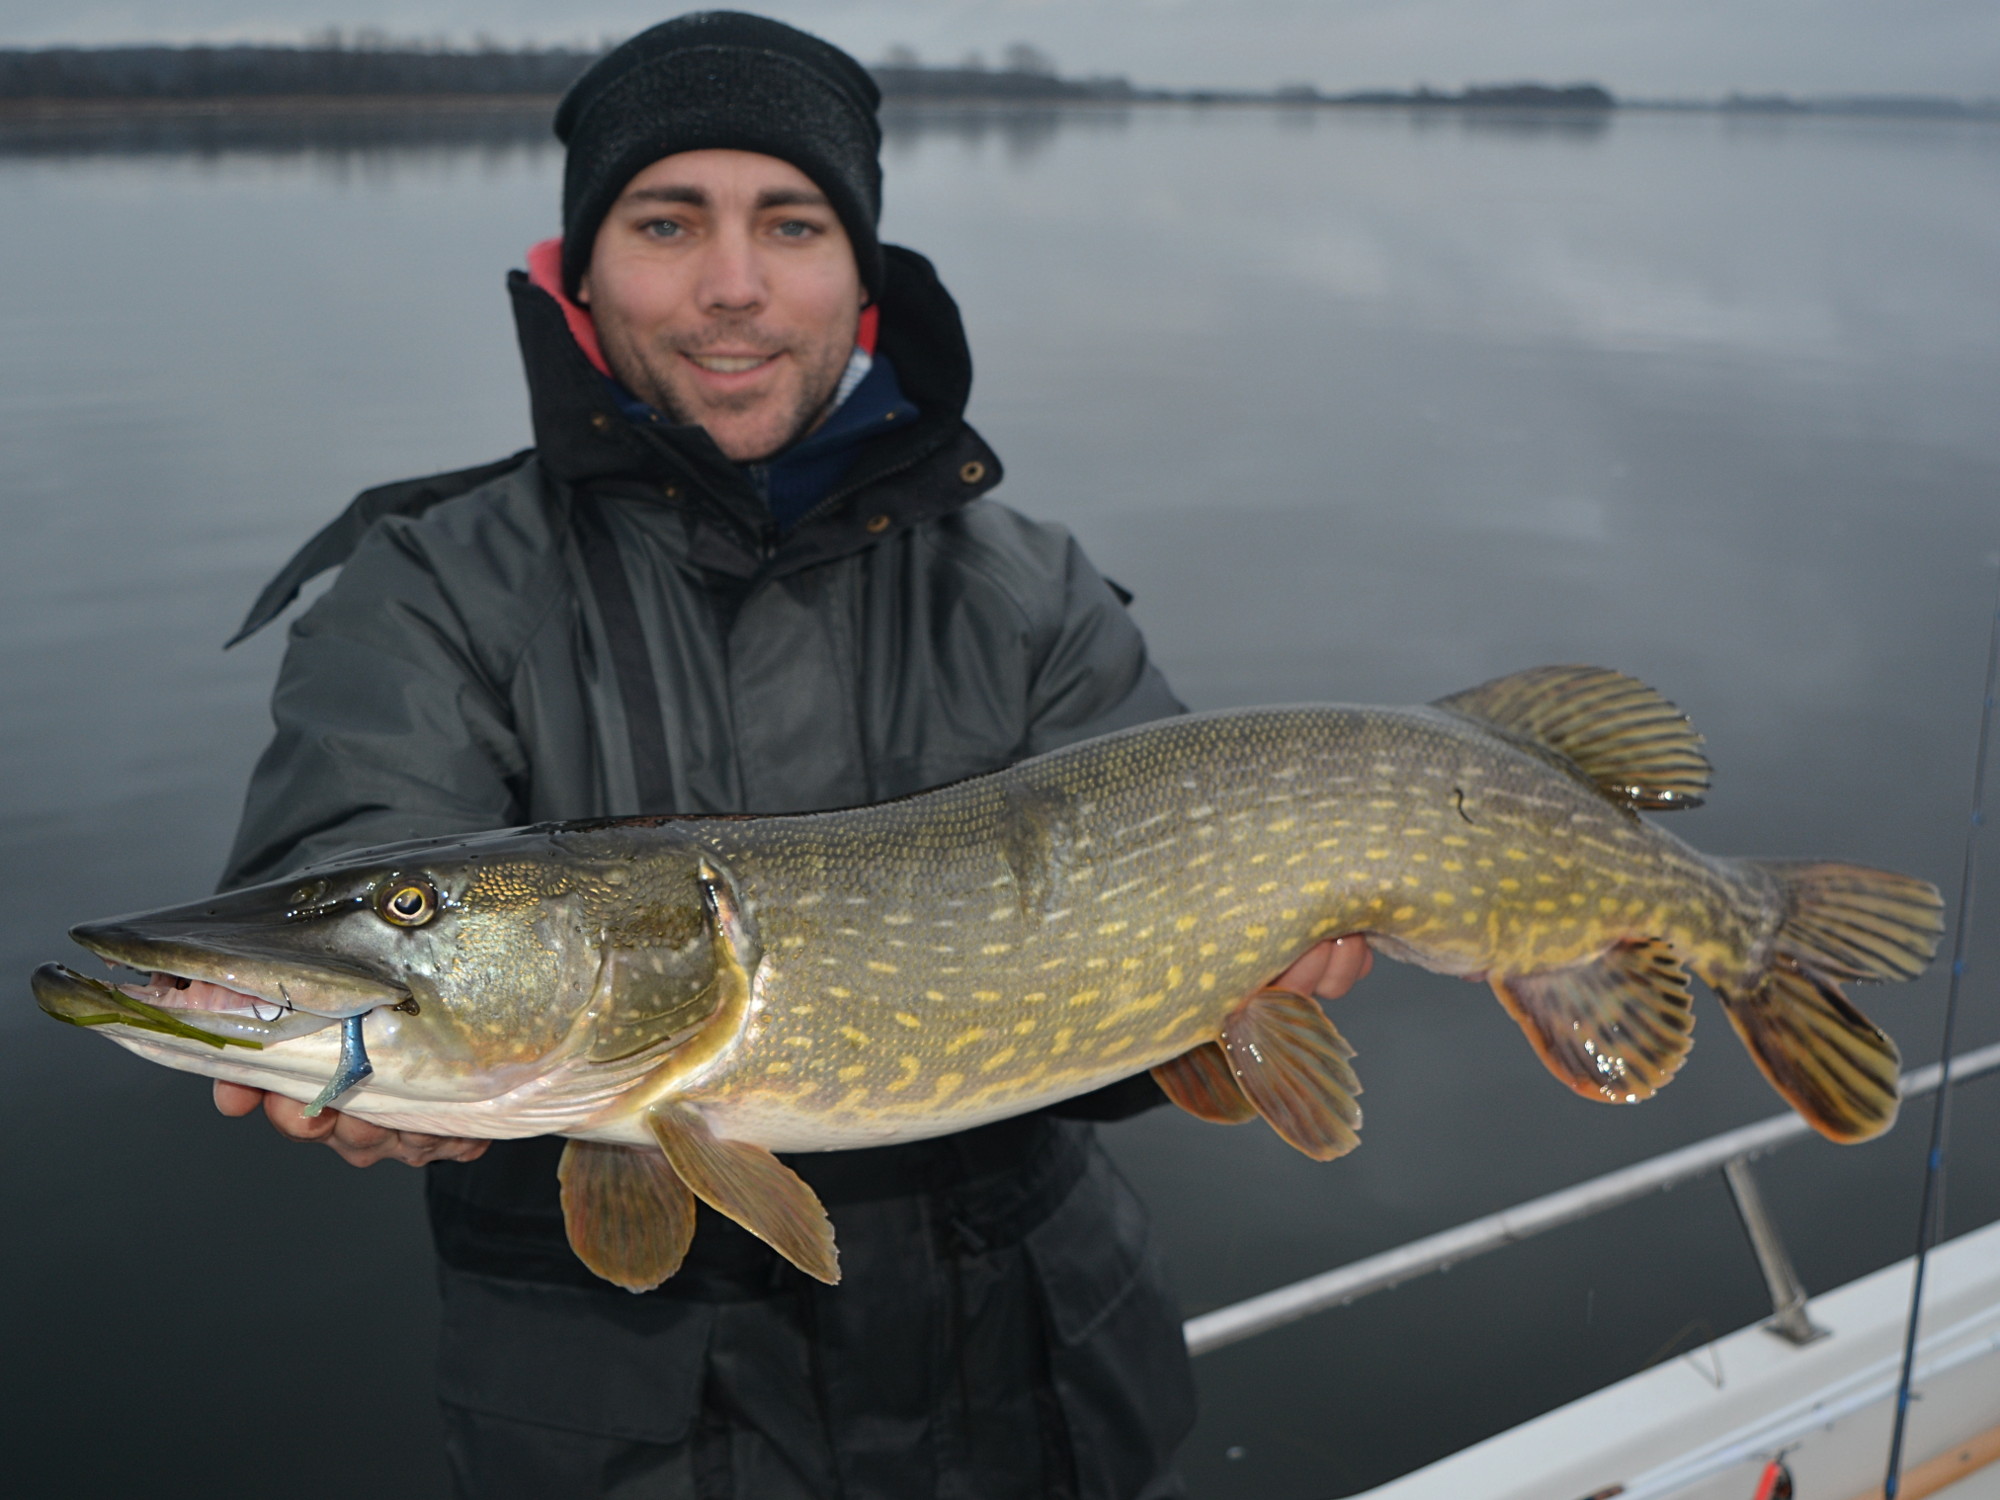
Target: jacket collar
{"points": [[935, 464]]}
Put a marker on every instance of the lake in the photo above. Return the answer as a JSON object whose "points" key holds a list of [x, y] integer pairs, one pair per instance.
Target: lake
{"points": [[1361, 405]]}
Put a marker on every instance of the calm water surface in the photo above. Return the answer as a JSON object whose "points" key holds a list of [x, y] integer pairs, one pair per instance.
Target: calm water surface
{"points": [[1361, 406]]}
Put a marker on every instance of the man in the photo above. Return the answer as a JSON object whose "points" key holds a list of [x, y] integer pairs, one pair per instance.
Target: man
{"points": [[746, 567]]}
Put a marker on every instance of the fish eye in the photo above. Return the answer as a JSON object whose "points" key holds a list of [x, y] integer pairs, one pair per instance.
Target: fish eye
{"points": [[407, 901]]}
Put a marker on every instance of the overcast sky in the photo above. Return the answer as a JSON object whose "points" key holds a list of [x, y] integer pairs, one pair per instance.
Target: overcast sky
{"points": [[1635, 47]]}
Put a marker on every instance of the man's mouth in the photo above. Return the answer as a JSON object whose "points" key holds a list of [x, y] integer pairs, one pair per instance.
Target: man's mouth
{"points": [[729, 364]]}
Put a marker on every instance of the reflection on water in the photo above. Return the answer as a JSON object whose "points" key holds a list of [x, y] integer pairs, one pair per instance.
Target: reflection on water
{"points": [[1362, 404]]}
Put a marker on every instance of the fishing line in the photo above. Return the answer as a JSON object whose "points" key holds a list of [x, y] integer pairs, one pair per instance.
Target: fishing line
{"points": [[1930, 1215]]}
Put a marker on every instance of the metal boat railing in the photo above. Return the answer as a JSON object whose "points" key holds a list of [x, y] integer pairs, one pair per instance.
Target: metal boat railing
{"points": [[1731, 1153]]}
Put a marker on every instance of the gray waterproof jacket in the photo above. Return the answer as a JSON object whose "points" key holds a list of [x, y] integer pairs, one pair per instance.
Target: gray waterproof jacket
{"points": [[609, 624]]}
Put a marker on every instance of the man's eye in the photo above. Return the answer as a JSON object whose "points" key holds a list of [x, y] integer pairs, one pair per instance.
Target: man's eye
{"points": [[662, 229], [797, 229]]}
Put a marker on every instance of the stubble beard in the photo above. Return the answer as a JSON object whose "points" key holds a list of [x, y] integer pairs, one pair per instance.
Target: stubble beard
{"points": [[819, 379]]}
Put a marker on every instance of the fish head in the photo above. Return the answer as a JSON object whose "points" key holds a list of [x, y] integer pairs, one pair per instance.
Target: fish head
{"points": [[481, 963]]}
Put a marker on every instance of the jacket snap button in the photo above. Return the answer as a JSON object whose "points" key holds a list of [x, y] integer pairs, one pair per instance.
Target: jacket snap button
{"points": [[878, 524], [671, 491], [601, 421], [973, 472]]}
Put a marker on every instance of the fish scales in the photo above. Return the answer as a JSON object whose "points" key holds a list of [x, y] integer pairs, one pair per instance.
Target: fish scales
{"points": [[683, 997], [917, 977]]}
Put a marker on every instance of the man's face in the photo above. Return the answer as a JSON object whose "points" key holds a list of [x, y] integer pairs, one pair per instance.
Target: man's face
{"points": [[725, 292]]}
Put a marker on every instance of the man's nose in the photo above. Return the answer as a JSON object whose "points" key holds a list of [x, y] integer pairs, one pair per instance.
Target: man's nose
{"points": [[732, 280]]}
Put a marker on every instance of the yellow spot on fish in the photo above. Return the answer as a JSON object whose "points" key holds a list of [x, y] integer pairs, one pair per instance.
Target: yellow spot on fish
{"points": [[1376, 853], [839, 993], [1456, 841], [1283, 825], [1207, 981], [1084, 997], [1256, 932], [1453, 865], [1507, 883], [798, 1041], [1173, 976], [947, 1084], [858, 1037], [1247, 956], [1519, 854], [1208, 950], [802, 1010], [987, 995], [1022, 1028], [904, 1018], [851, 1072], [1034, 997], [778, 1067], [1403, 913], [1314, 887], [1003, 1056], [1112, 1049], [1183, 924], [881, 968], [992, 948], [965, 1038], [1061, 1044], [911, 1067], [1443, 898]]}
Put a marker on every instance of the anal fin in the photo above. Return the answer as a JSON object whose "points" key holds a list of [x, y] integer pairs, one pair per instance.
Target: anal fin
{"points": [[1614, 1029], [1831, 1063], [750, 1185], [629, 1217], [1200, 1082], [1292, 1067]]}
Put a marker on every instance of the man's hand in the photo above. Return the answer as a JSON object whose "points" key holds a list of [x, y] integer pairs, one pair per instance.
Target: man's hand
{"points": [[359, 1143], [1328, 970]]}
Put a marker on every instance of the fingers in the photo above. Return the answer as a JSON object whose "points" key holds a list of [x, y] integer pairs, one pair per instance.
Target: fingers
{"points": [[361, 1144], [236, 1099], [356, 1141], [1328, 970], [1348, 961]]}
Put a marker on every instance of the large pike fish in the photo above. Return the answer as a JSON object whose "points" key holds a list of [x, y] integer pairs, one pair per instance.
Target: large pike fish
{"points": [[683, 997]]}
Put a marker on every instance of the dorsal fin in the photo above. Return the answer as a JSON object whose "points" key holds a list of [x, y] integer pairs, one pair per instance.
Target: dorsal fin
{"points": [[1625, 737]]}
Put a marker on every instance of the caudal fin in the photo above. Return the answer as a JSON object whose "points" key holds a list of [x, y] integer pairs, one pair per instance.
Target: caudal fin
{"points": [[1841, 922]]}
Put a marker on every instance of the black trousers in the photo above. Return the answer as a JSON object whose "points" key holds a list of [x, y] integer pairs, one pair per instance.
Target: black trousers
{"points": [[998, 1333]]}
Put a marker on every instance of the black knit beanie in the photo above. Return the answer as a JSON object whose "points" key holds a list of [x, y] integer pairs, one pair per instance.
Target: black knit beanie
{"points": [[721, 79]]}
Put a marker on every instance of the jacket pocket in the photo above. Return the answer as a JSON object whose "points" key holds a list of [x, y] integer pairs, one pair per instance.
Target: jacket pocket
{"points": [[1117, 1361], [598, 1362]]}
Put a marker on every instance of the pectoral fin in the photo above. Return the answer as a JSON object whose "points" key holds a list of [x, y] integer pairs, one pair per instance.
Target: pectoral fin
{"points": [[751, 1186], [1292, 1067], [1614, 1029], [1200, 1082], [629, 1217]]}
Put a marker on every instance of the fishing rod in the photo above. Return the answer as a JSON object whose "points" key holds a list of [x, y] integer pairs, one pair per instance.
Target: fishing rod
{"points": [[1931, 1213]]}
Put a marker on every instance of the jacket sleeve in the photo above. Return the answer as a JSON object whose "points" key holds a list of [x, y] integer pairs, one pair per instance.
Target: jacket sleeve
{"points": [[1092, 674], [390, 725]]}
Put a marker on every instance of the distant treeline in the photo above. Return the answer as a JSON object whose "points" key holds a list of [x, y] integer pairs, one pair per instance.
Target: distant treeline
{"points": [[248, 71], [335, 68]]}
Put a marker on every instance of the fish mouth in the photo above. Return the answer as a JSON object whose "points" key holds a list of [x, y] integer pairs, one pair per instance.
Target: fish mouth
{"points": [[215, 1016], [213, 974], [203, 961]]}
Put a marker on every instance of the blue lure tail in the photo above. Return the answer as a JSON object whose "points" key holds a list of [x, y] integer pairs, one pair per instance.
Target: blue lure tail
{"points": [[354, 1066]]}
